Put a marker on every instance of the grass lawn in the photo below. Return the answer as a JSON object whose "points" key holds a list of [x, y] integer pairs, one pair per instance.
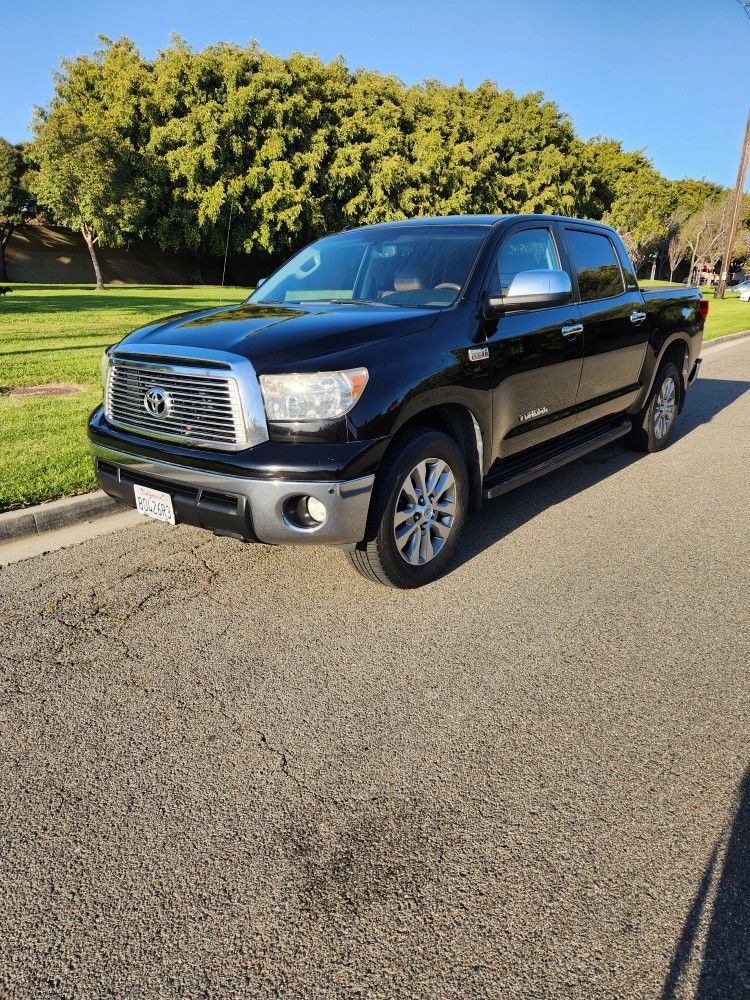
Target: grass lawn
{"points": [[56, 334], [727, 315]]}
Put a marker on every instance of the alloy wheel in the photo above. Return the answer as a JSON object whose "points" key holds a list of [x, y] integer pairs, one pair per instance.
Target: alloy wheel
{"points": [[425, 511], [664, 410]]}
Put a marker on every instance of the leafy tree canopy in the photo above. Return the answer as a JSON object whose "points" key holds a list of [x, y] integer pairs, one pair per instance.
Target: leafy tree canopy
{"points": [[293, 148], [91, 170], [14, 194]]}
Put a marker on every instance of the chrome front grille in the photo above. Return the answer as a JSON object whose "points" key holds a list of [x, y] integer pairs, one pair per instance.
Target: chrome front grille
{"points": [[200, 406]]}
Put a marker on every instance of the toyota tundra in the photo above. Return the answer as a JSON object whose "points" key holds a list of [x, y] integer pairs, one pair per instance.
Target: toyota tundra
{"points": [[386, 380]]}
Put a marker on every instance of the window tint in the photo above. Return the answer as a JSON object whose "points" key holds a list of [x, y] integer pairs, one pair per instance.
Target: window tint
{"points": [[527, 250], [594, 259]]}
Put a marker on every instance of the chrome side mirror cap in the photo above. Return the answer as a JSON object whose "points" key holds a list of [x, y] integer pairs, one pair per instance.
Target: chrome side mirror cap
{"points": [[534, 290]]}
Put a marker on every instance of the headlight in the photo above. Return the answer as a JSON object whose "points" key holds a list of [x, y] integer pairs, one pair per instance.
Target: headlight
{"points": [[318, 396]]}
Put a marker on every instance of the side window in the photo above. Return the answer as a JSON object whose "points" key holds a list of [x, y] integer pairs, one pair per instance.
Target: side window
{"points": [[626, 264], [527, 250], [595, 260]]}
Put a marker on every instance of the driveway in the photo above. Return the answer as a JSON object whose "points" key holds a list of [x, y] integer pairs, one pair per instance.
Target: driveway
{"points": [[231, 771]]}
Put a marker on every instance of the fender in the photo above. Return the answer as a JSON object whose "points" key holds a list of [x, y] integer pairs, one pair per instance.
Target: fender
{"points": [[653, 360], [465, 416]]}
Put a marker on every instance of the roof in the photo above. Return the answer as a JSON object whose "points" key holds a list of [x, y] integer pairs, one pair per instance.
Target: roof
{"points": [[477, 220], [440, 220]]}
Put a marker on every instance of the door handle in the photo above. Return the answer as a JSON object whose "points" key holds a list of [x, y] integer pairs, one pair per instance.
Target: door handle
{"points": [[571, 329], [637, 317]]}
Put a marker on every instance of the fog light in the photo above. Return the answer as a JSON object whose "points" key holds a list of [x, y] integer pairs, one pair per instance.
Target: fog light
{"points": [[304, 512], [316, 510]]}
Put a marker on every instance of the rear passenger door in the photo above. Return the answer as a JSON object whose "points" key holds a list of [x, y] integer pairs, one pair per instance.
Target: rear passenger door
{"points": [[613, 317]]}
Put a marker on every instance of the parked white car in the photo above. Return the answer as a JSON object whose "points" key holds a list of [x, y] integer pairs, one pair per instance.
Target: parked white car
{"points": [[744, 290]]}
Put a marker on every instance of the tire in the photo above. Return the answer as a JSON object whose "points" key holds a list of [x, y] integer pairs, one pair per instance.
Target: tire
{"points": [[654, 425], [428, 524]]}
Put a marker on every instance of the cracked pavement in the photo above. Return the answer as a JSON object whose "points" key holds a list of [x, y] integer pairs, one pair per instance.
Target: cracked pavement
{"points": [[239, 771]]}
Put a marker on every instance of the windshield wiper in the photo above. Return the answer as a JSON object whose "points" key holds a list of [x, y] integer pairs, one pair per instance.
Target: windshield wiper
{"points": [[355, 302]]}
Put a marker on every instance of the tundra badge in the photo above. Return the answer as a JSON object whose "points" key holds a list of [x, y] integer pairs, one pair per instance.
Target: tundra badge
{"points": [[532, 414]]}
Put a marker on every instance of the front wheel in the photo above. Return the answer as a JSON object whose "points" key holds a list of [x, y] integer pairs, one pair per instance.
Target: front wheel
{"points": [[417, 513]]}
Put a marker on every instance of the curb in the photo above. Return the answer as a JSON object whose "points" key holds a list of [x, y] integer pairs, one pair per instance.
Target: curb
{"points": [[725, 339], [17, 524]]}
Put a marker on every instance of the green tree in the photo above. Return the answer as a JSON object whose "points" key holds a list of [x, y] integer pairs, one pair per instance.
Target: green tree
{"points": [[14, 196], [371, 163], [690, 195], [294, 148], [641, 212], [690, 199], [91, 172], [609, 170], [238, 127], [526, 154]]}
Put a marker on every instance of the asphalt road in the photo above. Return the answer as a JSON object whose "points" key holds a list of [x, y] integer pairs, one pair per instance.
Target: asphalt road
{"points": [[233, 771]]}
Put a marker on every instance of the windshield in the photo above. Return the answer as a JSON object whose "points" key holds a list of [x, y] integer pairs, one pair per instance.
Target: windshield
{"points": [[396, 266]]}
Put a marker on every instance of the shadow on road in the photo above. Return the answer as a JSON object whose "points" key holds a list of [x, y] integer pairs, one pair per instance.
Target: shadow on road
{"points": [[723, 971], [501, 517]]}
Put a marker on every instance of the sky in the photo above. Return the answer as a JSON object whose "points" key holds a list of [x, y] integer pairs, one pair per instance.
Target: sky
{"points": [[668, 76]]}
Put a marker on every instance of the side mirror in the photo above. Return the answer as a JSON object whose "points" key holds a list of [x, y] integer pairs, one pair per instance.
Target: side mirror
{"points": [[533, 290]]}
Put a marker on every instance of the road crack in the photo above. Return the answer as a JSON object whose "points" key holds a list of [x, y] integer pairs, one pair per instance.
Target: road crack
{"points": [[281, 755]]}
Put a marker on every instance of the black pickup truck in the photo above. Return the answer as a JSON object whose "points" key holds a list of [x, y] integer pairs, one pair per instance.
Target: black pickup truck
{"points": [[385, 380]]}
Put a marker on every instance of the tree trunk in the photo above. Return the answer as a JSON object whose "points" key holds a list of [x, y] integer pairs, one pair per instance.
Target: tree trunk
{"points": [[5, 236], [671, 274], [693, 261], [196, 277], [90, 243]]}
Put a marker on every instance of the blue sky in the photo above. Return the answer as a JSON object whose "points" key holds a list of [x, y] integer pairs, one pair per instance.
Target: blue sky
{"points": [[672, 76]]}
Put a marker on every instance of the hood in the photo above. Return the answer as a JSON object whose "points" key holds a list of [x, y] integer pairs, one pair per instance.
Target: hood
{"points": [[277, 336]]}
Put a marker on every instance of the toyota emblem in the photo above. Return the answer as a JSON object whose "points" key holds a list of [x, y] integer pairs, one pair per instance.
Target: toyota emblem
{"points": [[157, 401]]}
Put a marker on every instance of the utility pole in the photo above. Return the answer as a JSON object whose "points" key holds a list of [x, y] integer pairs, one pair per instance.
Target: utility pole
{"points": [[226, 248], [726, 260], [735, 218]]}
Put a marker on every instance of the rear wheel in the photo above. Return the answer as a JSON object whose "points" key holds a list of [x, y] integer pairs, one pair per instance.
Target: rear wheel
{"points": [[417, 513], [654, 425]]}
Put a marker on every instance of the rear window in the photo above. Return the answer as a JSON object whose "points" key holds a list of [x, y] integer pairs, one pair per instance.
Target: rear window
{"points": [[596, 263]]}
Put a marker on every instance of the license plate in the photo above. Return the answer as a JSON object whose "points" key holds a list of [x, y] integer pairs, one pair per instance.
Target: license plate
{"points": [[154, 503]]}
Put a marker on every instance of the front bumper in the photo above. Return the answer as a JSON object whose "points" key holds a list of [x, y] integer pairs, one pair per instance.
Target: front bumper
{"points": [[249, 509]]}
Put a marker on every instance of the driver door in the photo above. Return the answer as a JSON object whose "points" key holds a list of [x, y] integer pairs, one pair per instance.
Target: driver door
{"points": [[536, 354]]}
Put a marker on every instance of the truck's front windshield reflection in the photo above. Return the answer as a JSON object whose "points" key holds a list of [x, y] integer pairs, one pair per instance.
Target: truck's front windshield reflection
{"points": [[423, 266]]}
